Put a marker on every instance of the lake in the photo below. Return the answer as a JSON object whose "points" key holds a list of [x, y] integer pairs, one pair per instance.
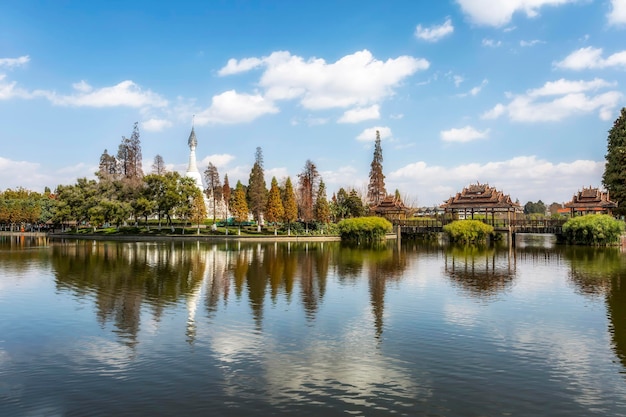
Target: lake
{"points": [[95, 328]]}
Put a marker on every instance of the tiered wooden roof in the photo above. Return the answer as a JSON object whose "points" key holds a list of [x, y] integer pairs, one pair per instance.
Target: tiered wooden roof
{"points": [[480, 198], [390, 207], [591, 200]]}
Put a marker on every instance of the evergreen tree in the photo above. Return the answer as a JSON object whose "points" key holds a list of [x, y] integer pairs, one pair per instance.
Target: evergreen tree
{"points": [[322, 208], [107, 167], [376, 189], [308, 182], [257, 191], [614, 177], [226, 193], [214, 188], [129, 156], [289, 203], [274, 211], [238, 204]]}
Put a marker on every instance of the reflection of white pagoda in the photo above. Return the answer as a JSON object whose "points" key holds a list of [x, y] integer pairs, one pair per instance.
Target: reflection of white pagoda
{"points": [[192, 168]]}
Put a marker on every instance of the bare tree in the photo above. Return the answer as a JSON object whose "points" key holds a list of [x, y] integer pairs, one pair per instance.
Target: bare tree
{"points": [[158, 166]]}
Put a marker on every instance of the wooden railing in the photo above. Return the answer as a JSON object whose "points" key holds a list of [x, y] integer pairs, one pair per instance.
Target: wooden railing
{"points": [[515, 226]]}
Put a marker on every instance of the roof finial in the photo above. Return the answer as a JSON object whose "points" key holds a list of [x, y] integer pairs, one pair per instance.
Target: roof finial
{"points": [[193, 120]]}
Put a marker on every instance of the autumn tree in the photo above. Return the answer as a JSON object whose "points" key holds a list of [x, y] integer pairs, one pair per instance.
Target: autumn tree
{"points": [[257, 191], [290, 206], [129, 155], [198, 210], [158, 166], [274, 211], [322, 208], [226, 193], [614, 177], [214, 188], [307, 189], [376, 189], [238, 204]]}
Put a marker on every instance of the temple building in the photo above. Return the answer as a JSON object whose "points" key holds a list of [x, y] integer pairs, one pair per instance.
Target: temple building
{"points": [[391, 208], [590, 201], [480, 199]]}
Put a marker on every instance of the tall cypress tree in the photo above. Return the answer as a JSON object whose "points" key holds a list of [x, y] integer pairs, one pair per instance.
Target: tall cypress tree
{"points": [[322, 208], [238, 204], [289, 204], [274, 211], [257, 191], [376, 189], [614, 177]]}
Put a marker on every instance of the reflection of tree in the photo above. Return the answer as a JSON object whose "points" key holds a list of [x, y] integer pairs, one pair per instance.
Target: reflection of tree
{"points": [[25, 253], [601, 271], [481, 271], [121, 277]]}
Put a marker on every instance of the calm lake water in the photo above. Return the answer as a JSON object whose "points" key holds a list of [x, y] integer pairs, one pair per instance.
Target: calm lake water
{"points": [[91, 328]]}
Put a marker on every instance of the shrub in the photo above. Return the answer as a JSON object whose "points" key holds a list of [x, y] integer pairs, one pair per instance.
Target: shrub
{"points": [[364, 228], [593, 229], [468, 231]]}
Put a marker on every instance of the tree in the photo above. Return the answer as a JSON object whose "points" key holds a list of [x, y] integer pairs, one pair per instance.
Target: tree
{"points": [[226, 193], [238, 204], [322, 208], [163, 190], [274, 210], [376, 189], [308, 183], [107, 167], [257, 191], [198, 210], [535, 208], [289, 204], [614, 177], [158, 166], [214, 187], [129, 155], [354, 204]]}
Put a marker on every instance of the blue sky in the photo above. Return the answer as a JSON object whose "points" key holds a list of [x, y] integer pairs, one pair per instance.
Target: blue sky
{"points": [[519, 94]]}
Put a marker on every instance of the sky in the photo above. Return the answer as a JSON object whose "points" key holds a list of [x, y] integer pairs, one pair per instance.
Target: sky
{"points": [[518, 94]]}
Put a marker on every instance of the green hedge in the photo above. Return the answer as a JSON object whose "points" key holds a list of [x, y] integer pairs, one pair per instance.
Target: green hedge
{"points": [[468, 231], [593, 229], [364, 228]]}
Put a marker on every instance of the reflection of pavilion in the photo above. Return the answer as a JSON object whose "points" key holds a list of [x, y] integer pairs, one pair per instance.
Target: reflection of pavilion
{"points": [[481, 272]]}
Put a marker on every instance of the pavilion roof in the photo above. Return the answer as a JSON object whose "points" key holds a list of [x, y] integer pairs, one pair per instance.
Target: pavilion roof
{"points": [[480, 197], [390, 204], [591, 198]]}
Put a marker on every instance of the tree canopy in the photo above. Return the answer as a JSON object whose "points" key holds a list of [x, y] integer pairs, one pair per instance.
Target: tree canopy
{"points": [[614, 177]]}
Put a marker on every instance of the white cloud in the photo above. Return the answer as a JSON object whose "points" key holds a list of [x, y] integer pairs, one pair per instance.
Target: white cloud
{"points": [[360, 114], [156, 125], [232, 107], [32, 176], [126, 93], [491, 43], [591, 58], [526, 44], [558, 100], [526, 178], [499, 13], [354, 80], [458, 80], [475, 90], [14, 62], [369, 135], [9, 90], [617, 16], [435, 32], [234, 67], [464, 134], [219, 160]]}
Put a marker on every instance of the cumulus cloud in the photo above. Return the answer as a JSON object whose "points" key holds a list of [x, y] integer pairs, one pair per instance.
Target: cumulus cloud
{"points": [[369, 135], [591, 58], [219, 160], [14, 62], [9, 89], [358, 79], [235, 67], [464, 134], [499, 13], [156, 125], [434, 33], [526, 178], [560, 99], [125, 93], [33, 176], [232, 107], [475, 90], [360, 114], [617, 15]]}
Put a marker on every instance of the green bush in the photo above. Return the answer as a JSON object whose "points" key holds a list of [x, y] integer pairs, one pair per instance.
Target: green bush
{"points": [[364, 228], [468, 231], [593, 229]]}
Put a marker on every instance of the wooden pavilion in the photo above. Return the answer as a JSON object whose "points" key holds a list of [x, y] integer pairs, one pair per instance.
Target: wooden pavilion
{"points": [[590, 201], [481, 199], [391, 208]]}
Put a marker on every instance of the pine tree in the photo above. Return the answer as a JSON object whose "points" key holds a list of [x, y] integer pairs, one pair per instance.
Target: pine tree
{"points": [[129, 156], [274, 211], [614, 177], [322, 208], [308, 182], [376, 189], [257, 191], [289, 203], [108, 166], [226, 193], [238, 204]]}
